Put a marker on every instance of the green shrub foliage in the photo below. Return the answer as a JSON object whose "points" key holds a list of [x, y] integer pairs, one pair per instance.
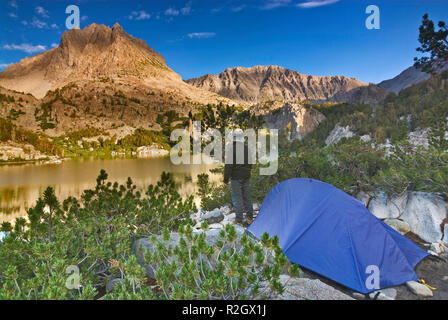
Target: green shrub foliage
{"points": [[94, 233], [231, 269]]}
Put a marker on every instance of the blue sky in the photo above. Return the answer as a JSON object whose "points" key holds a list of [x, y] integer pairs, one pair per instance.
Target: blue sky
{"points": [[318, 37]]}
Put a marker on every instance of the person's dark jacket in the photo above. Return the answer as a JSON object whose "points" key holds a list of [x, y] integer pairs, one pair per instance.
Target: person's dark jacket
{"points": [[236, 171]]}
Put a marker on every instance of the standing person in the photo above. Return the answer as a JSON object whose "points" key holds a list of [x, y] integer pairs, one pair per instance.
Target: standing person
{"points": [[238, 172]]}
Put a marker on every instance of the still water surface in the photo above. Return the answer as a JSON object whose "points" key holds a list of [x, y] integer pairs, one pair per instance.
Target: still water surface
{"points": [[21, 185]]}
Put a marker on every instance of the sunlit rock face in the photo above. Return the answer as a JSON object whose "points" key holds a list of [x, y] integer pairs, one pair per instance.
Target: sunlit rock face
{"points": [[261, 84]]}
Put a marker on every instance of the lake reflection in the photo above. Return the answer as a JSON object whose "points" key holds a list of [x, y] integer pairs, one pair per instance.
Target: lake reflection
{"points": [[21, 185]]}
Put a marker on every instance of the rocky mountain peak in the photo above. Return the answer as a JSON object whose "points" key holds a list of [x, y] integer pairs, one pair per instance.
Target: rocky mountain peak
{"points": [[100, 37], [409, 77], [261, 84], [95, 52]]}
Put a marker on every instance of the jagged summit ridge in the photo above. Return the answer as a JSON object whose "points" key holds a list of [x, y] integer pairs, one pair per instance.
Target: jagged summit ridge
{"points": [[94, 52], [103, 37], [266, 83]]}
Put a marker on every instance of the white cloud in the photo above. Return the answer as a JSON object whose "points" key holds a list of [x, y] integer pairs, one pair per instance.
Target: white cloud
{"points": [[201, 35], [4, 65], [272, 4], [139, 15], [13, 4], [26, 47], [187, 9], [216, 10], [13, 15], [316, 3], [54, 45], [42, 12], [39, 23], [171, 12], [240, 8]]}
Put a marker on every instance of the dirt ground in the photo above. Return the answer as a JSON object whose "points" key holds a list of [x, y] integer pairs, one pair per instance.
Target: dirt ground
{"points": [[431, 269]]}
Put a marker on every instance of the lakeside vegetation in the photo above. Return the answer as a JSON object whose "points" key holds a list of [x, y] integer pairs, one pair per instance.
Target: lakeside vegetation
{"points": [[94, 235], [10, 132]]}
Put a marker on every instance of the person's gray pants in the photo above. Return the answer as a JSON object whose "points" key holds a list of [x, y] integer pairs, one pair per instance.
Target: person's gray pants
{"points": [[241, 198]]}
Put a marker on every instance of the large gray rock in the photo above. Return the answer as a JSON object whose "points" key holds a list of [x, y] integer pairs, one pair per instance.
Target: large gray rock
{"points": [[419, 138], [337, 134], [425, 213], [364, 198], [384, 208], [303, 289], [296, 118], [140, 247], [214, 216], [366, 138], [212, 237], [399, 225], [419, 289]]}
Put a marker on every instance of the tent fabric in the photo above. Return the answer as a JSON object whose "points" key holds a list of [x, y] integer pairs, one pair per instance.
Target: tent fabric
{"points": [[333, 234]]}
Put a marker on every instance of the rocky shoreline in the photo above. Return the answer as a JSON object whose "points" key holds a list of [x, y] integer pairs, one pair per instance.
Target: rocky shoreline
{"points": [[12, 153], [17, 153]]}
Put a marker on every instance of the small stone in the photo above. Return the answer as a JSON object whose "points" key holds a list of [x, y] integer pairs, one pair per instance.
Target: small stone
{"points": [[419, 289], [445, 278], [398, 225], [384, 294], [231, 217], [214, 216], [226, 210], [112, 283], [358, 296], [216, 226], [438, 248]]}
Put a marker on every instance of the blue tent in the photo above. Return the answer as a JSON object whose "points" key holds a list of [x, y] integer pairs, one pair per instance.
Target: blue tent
{"points": [[333, 234]]}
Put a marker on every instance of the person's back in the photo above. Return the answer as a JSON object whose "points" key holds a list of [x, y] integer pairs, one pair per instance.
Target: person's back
{"points": [[239, 172], [240, 168]]}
